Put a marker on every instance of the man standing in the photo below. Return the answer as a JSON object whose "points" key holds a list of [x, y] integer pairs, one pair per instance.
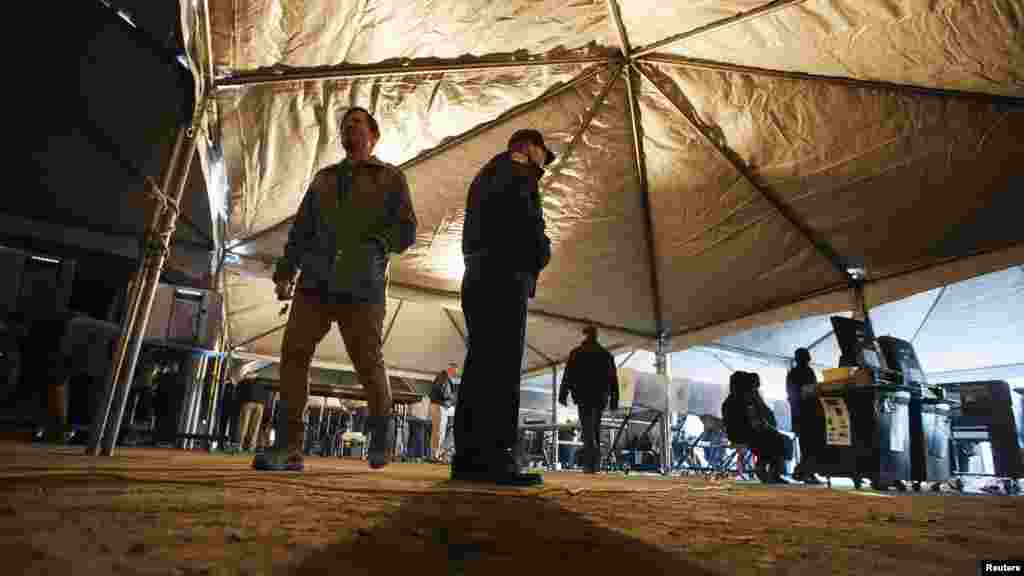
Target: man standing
{"points": [[800, 388], [442, 397], [591, 378], [505, 248], [353, 215]]}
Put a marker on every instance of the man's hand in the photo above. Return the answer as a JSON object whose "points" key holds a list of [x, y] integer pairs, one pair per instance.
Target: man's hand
{"points": [[284, 290]]}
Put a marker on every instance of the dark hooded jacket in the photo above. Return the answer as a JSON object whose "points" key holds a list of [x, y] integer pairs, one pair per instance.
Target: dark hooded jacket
{"points": [[505, 220], [590, 377]]}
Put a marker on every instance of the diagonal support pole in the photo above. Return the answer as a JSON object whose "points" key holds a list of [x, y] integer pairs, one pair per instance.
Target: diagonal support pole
{"points": [[350, 71], [910, 89], [588, 118], [391, 325], [758, 12], [781, 209], [616, 15], [451, 318], [928, 315], [260, 336], [536, 351]]}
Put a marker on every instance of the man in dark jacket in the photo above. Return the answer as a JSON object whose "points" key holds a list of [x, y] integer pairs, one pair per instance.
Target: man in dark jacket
{"points": [[505, 248], [354, 215], [800, 384], [591, 378]]}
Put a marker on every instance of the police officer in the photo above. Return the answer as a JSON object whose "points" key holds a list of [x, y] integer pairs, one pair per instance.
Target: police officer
{"points": [[505, 248], [591, 378]]}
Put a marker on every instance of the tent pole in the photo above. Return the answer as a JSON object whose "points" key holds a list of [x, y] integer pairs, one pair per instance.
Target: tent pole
{"points": [[662, 368], [822, 247], [645, 199], [555, 463], [132, 304], [152, 264], [928, 315], [346, 72], [861, 312], [387, 333], [718, 25], [697, 64]]}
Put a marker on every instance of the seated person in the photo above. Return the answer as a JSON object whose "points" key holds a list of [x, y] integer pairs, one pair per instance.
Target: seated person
{"points": [[748, 420], [715, 437]]}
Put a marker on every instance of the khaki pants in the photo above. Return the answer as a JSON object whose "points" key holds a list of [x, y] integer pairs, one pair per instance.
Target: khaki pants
{"points": [[437, 429], [361, 327], [250, 418]]}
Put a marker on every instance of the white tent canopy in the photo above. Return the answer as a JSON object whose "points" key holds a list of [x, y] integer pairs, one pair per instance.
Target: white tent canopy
{"points": [[972, 325], [721, 165]]}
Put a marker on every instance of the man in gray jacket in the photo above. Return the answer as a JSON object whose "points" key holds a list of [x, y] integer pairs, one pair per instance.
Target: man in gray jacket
{"points": [[353, 215]]}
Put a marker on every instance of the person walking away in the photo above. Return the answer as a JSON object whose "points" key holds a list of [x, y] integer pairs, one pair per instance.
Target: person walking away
{"points": [[442, 397], [592, 380], [353, 216], [505, 248]]}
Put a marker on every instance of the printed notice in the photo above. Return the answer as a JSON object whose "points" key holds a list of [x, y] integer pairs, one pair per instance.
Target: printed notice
{"points": [[837, 422]]}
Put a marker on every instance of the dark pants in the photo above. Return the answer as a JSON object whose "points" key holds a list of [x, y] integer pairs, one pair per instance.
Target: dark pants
{"points": [[590, 429], [419, 436], [809, 426], [487, 409], [771, 448]]}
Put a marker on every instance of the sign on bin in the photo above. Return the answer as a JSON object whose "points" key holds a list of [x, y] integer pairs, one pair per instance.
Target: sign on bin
{"points": [[837, 422]]}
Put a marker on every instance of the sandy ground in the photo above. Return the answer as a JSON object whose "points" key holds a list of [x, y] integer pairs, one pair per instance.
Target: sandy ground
{"points": [[149, 511]]}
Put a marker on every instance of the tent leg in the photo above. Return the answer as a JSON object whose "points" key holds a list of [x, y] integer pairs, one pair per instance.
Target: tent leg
{"points": [[151, 265], [662, 368], [554, 419], [103, 415]]}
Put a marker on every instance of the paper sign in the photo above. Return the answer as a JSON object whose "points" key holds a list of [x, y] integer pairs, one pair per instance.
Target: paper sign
{"points": [[837, 422]]}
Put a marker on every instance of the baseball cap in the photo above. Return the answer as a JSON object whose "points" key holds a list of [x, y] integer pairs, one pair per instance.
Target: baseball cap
{"points": [[534, 137]]}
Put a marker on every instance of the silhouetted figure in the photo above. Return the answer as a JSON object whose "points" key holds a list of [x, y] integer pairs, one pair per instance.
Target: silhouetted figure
{"points": [[591, 378], [749, 421], [800, 388]]}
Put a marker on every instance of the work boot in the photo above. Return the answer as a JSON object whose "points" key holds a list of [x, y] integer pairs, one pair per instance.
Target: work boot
{"points": [[499, 468], [287, 457], [382, 440]]}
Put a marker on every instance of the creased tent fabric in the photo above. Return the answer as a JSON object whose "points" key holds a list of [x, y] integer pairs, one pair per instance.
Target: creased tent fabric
{"points": [[740, 105]]}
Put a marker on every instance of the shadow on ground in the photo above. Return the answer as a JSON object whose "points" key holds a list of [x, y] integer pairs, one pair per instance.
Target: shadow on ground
{"points": [[452, 533]]}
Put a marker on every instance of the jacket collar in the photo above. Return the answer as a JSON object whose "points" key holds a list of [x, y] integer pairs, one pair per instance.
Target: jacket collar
{"points": [[372, 160]]}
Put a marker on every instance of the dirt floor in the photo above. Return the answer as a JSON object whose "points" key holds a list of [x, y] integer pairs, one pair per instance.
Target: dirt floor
{"points": [[150, 511]]}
